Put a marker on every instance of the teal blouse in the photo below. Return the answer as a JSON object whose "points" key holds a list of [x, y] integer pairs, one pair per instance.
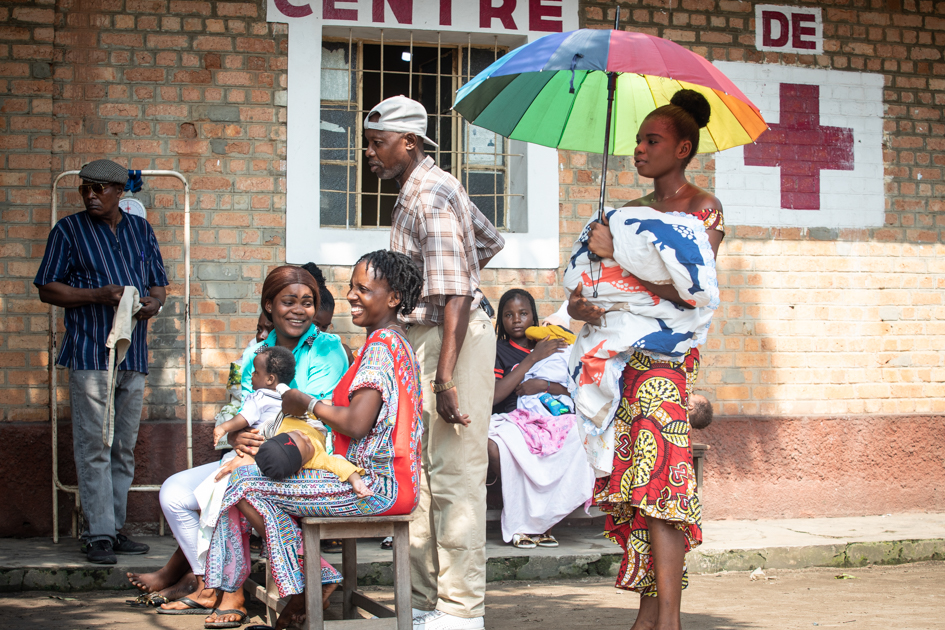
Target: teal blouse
{"points": [[320, 362]]}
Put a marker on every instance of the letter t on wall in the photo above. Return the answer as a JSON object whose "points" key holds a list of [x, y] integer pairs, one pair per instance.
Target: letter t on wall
{"points": [[503, 12]]}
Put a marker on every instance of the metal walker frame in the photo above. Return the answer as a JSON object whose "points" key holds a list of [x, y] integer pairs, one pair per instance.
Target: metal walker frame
{"points": [[53, 402]]}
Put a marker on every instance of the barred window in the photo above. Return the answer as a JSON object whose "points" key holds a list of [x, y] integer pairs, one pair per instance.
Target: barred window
{"points": [[356, 74]]}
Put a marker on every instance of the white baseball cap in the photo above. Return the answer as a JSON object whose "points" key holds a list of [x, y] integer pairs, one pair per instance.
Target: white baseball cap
{"points": [[401, 114]]}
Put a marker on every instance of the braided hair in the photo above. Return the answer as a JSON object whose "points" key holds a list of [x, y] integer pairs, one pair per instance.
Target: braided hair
{"points": [[687, 113], [500, 331], [402, 275], [327, 304]]}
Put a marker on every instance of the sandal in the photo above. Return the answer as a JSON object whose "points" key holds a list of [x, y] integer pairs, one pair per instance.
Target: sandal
{"points": [[227, 624], [547, 540], [523, 541], [147, 599], [193, 608]]}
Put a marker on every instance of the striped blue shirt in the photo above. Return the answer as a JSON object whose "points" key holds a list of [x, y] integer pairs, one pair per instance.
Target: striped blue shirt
{"points": [[86, 254]]}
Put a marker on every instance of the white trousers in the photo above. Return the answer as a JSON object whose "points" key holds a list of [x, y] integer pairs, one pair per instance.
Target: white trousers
{"points": [[182, 511]]}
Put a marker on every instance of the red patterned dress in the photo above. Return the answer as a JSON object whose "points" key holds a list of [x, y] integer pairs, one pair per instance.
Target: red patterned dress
{"points": [[653, 473]]}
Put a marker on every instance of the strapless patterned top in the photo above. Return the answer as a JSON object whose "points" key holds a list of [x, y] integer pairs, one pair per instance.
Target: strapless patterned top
{"points": [[711, 218]]}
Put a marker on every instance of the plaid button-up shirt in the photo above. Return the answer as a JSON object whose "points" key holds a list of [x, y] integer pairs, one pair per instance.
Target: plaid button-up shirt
{"points": [[436, 224]]}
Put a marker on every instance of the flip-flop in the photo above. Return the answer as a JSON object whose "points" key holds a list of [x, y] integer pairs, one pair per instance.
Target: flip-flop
{"points": [[547, 540], [193, 608], [523, 541], [227, 624]]}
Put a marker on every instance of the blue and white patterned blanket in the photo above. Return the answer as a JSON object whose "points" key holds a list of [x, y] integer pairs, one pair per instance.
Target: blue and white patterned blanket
{"points": [[657, 247]]}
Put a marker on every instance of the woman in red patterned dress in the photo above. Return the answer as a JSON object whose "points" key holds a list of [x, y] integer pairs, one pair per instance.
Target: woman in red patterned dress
{"points": [[650, 496], [375, 416]]}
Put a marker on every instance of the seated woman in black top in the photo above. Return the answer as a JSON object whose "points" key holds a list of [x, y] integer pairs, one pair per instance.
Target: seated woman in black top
{"points": [[515, 354], [538, 490]]}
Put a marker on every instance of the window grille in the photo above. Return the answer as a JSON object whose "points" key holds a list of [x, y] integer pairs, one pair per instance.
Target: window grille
{"points": [[356, 74]]}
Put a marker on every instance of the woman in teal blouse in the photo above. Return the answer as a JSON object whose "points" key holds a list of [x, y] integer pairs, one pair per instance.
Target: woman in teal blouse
{"points": [[290, 300]]}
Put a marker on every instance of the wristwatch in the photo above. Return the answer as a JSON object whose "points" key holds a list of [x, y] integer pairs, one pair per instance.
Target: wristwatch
{"points": [[441, 387]]}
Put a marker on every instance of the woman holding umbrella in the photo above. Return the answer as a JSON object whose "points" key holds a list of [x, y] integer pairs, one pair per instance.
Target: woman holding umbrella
{"points": [[657, 518], [619, 93]]}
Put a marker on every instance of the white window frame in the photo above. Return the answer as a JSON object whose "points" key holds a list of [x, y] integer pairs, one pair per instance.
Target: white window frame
{"points": [[508, 157], [307, 240]]}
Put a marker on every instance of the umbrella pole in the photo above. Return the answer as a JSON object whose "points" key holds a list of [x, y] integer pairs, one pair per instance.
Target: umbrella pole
{"points": [[611, 89]]}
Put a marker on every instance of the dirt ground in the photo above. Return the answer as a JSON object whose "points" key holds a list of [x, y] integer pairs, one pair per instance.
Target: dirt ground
{"points": [[907, 597]]}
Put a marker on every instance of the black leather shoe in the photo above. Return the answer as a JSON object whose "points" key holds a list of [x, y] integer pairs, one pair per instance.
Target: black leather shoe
{"points": [[128, 547], [101, 552]]}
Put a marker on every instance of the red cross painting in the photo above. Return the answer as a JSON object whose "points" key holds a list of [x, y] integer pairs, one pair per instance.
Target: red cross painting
{"points": [[801, 147], [820, 165]]}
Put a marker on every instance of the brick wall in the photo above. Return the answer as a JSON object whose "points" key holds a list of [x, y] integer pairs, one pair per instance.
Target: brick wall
{"points": [[826, 358], [816, 326]]}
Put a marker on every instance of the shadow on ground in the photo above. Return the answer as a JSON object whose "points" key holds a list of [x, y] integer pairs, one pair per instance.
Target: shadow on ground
{"points": [[591, 603], [868, 598]]}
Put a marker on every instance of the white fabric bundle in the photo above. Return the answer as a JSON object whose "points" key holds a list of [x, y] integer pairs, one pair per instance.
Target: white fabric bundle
{"points": [[553, 369], [538, 491], [662, 248]]}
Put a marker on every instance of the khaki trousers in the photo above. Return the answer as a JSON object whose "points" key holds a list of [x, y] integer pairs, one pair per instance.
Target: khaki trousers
{"points": [[448, 530]]}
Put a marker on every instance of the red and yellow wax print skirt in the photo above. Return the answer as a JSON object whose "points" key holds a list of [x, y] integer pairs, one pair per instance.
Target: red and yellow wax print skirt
{"points": [[653, 473]]}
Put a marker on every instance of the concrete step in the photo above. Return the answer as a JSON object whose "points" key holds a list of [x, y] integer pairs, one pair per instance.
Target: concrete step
{"points": [[38, 564]]}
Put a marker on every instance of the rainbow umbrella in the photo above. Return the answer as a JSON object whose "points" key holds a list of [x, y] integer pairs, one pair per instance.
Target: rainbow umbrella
{"points": [[558, 90], [589, 90]]}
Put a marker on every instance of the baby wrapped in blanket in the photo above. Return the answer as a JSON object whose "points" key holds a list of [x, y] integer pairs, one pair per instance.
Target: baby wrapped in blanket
{"points": [[657, 247], [553, 369]]}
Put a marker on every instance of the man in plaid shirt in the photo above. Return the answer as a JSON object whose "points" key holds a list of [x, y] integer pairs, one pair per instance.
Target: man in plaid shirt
{"points": [[436, 224]]}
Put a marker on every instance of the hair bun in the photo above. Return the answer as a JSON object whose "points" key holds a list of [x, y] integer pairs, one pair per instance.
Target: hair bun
{"points": [[694, 104]]}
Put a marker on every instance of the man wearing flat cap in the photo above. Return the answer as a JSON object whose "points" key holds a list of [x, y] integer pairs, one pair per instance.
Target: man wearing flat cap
{"points": [[438, 226], [91, 257]]}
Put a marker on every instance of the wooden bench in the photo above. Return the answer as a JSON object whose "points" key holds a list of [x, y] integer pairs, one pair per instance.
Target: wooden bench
{"points": [[698, 463], [349, 529]]}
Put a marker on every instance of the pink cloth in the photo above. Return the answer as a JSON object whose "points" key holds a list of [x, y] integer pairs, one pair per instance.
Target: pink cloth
{"points": [[544, 435]]}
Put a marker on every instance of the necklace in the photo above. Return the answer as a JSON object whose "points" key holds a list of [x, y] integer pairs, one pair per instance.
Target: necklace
{"points": [[669, 196]]}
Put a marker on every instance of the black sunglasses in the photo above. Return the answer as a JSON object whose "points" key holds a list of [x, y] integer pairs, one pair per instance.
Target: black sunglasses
{"points": [[98, 189]]}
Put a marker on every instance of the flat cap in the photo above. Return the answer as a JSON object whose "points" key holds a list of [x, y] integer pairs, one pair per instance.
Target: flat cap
{"points": [[104, 172]]}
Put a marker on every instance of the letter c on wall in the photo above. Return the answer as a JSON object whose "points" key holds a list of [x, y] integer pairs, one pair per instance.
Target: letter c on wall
{"points": [[292, 11]]}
